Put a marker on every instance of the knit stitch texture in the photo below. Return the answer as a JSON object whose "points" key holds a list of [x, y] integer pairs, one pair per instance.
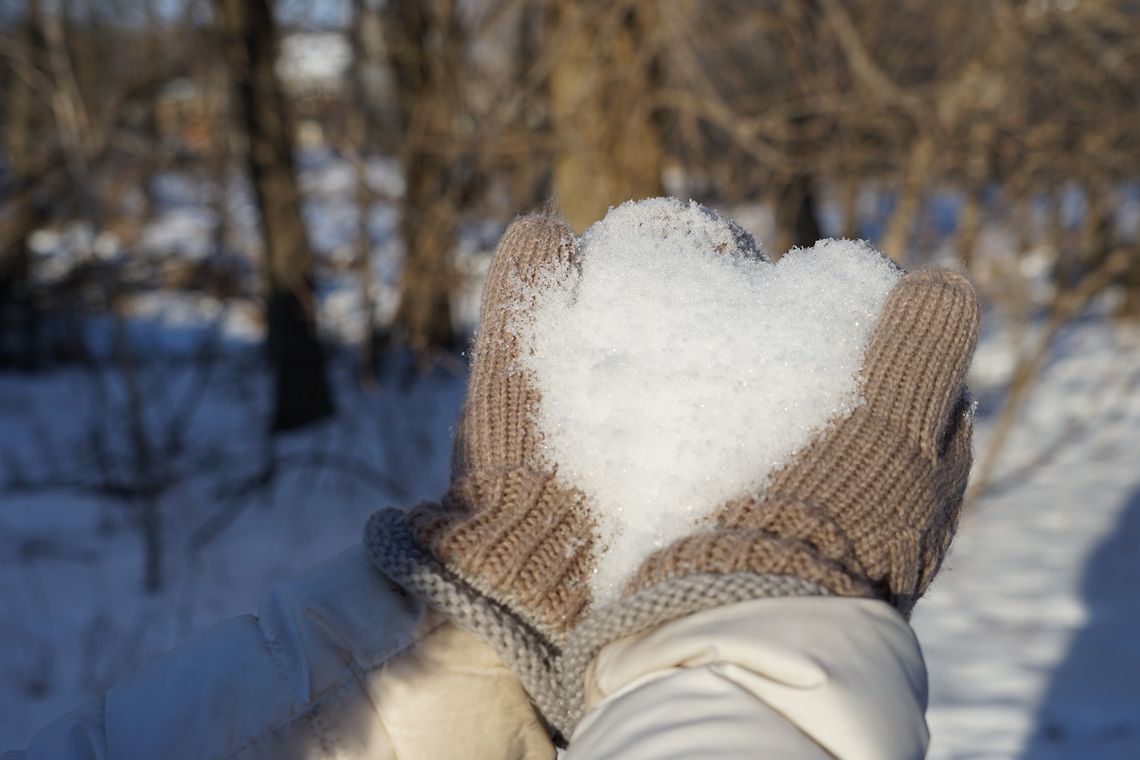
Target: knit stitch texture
{"points": [[870, 507], [554, 673]]}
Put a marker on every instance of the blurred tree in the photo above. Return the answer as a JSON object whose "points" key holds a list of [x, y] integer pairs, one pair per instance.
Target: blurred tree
{"points": [[362, 126], [603, 80], [18, 314], [426, 48], [249, 39], [796, 218]]}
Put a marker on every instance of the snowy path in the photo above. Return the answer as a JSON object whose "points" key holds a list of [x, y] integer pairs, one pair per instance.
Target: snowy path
{"points": [[1030, 632]]}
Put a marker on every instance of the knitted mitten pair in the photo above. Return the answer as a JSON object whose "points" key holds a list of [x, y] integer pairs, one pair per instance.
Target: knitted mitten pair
{"points": [[868, 509]]}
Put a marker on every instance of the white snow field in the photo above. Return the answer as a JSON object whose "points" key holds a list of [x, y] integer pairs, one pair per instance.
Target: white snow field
{"points": [[1030, 632], [682, 367]]}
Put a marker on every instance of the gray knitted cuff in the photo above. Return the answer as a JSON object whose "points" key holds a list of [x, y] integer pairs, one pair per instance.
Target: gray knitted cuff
{"points": [[669, 600], [530, 655], [555, 676]]}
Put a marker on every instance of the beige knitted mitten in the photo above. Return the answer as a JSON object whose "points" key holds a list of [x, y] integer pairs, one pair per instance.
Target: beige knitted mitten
{"points": [[507, 552], [868, 509], [506, 526]]}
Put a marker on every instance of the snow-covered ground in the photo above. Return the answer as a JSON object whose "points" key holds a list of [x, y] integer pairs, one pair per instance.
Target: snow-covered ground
{"points": [[1029, 632], [75, 615]]}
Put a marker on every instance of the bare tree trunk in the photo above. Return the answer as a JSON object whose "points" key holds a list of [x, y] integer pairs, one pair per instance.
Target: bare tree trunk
{"points": [[221, 151], [1096, 245], [977, 174], [361, 125], [531, 179], [151, 159], [1066, 305], [970, 225], [16, 294], [850, 205], [912, 189], [796, 216], [1130, 306], [426, 46], [17, 306], [147, 502], [604, 74], [249, 43]]}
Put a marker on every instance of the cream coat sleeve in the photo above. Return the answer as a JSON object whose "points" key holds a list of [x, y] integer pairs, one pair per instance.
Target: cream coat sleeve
{"points": [[791, 678], [338, 663]]}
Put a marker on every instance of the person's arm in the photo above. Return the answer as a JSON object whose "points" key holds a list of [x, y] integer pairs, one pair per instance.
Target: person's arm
{"points": [[801, 678], [339, 662]]}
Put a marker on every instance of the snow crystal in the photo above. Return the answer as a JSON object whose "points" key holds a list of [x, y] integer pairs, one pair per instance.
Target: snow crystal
{"points": [[682, 367]]}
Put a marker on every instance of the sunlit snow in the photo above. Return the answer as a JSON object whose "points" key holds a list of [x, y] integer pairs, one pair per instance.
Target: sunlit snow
{"points": [[682, 367]]}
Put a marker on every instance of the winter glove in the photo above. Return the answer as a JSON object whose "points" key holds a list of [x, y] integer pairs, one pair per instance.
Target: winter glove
{"points": [[507, 552], [867, 510]]}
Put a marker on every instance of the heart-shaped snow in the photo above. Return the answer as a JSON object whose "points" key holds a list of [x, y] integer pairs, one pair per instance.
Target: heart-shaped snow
{"points": [[682, 367]]}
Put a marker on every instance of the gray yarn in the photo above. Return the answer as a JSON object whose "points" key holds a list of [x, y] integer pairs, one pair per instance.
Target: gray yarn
{"points": [[669, 600], [530, 655], [553, 674]]}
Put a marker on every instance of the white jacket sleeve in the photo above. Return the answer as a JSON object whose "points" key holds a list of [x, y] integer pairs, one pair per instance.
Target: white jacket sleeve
{"points": [[790, 678], [338, 663]]}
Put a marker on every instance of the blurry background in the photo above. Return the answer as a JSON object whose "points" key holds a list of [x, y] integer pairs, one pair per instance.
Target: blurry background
{"points": [[241, 245]]}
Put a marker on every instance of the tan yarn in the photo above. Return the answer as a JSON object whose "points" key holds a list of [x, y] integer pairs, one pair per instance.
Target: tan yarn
{"points": [[505, 526], [869, 508]]}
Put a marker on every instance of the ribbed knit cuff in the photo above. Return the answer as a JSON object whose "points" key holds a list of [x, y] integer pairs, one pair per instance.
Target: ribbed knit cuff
{"points": [[553, 671], [517, 536], [528, 653], [739, 550]]}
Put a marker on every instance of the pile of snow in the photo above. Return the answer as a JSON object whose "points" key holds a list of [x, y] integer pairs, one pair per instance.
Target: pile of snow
{"points": [[683, 367]]}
